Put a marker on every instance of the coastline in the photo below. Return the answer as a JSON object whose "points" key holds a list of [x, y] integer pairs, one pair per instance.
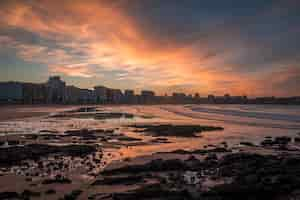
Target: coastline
{"points": [[90, 152]]}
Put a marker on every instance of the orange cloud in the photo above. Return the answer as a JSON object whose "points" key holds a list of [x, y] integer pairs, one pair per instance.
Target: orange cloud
{"points": [[111, 39], [73, 70]]}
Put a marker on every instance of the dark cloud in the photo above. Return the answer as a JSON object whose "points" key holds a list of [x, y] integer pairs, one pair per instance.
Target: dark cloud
{"points": [[191, 44]]}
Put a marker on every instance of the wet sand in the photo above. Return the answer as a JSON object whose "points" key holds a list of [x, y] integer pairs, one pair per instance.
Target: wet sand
{"points": [[122, 145], [13, 112]]}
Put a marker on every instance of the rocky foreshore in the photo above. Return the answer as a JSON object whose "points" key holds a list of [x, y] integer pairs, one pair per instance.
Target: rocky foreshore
{"points": [[249, 172], [77, 163]]}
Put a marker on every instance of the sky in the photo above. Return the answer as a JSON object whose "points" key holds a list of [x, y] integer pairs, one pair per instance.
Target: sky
{"points": [[239, 47]]}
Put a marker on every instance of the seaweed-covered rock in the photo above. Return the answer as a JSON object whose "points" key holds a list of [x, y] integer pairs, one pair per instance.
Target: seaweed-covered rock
{"points": [[58, 179], [174, 130], [73, 195], [16, 154], [9, 195], [155, 191], [123, 180]]}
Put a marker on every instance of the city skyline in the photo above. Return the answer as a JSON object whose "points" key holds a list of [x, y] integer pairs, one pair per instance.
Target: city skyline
{"points": [[210, 47], [135, 92], [56, 91]]}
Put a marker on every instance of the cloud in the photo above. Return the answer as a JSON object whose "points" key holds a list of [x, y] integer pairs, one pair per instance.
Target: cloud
{"points": [[73, 70], [191, 45]]}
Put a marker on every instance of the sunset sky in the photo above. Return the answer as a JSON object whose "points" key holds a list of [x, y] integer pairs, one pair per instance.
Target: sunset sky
{"points": [[240, 47]]}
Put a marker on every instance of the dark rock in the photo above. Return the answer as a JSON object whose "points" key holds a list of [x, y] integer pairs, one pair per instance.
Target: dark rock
{"points": [[247, 144], [73, 195], [155, 191], [297, 139], [13, 142], [278, 141], [29, 193], [157, 165], [174, 130], [127, 180], [58, 179], [201, 151], [282, 140], [267, 142], [49, 131], [50, 191], [9, 195], [31, 136], [14, 155], [160, 140], [127, 139], [84, 109], [102, 116]]}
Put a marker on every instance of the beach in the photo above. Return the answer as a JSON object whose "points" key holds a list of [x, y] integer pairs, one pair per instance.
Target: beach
{"points": [[149, 152]]}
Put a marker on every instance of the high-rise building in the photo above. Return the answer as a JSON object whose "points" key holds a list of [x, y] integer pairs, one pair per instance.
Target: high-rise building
{"points": [[11, 92], [147, 97], [55, 89], [129, 97], [35, 93], [101, 94], [114, 96]]}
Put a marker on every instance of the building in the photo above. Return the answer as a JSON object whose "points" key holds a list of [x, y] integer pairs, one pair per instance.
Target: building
{"points": [[101, 94], [11, 92], [211, 98], [87, 96], [34, 93], [129, 97], [147, 97], [114, 96], [178, 97], [56, 90], [72, 95]]}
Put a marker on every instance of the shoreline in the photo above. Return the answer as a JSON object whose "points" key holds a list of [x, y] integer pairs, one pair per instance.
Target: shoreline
{"points": [[82, 153]]}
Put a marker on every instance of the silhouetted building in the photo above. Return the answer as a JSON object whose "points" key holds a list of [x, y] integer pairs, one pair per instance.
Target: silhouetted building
{"points": [[114, 96], [178, 97], [11, 92], [101, 94], [72, 95], [55, 89], [87, 96], [211, 98], [147, 97], [129, 97], [34, 93]]}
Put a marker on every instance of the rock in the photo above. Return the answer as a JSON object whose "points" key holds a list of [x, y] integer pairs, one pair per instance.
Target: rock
{"points": [[160, 140], [49, 131], [267, 142], [31, 136], [9, 195], [157, 165], [13, 142], [58, 179], [50, 191], [15, 155], [211, 156], [127, 180], [282, 140], [29, 193], [112, 115], [174, 130], [155, 191], [297, 139], [73, 195], [247, 144]]}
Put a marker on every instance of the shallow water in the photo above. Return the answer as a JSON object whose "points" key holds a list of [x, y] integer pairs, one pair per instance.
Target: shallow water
{"points": [[240, 122]]}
